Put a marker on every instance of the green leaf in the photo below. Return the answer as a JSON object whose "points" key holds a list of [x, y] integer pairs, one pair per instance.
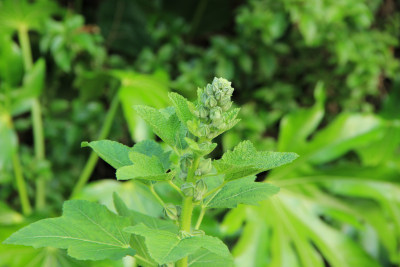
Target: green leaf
{"points": [[114, 153], [152, 148], [144, 167], [204, 258], [88, 230], [201, 149], [138, 217], [244, 161], [166, 126], [138, 242], [243, 191], [166, 247], [181, 107]]}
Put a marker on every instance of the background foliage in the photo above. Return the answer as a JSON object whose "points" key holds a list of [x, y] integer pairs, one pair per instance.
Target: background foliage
{"points": [[316, 77]]}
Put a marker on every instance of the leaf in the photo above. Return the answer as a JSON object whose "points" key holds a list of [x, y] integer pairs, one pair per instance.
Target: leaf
{"points": [[114, 153], [201, 149], [243, 191], [88, 230], [166, 127], [244, 161], [138, 242], [204, 258], [152, 148], [144, 167], [181, 107], [138, 217], [166, 247]]}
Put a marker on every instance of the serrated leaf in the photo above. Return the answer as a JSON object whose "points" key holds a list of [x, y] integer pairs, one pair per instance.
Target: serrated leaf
{"points": [[144, 167], [88, 230], [138, 242], [181, 107], [138, 217], [245, 160], [164, 125], [204, 258], [166, 247], [243, 191], [152, 148], [114, 153]]}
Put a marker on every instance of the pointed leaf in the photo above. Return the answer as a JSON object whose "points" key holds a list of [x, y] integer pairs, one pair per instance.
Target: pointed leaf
{"points": [[243, 191], [181, 107], [88, 230], [244, 161], [152, 148], [114, 153]]}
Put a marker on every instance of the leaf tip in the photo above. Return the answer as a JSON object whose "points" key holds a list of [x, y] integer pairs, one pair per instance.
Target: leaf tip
{"points": [[84, 144]]}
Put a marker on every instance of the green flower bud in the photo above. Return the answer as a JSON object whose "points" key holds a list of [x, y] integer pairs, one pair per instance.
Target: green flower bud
{"points": [[200, 190], [203, 112], [185, 162], [204, 130], [204, 167], [171, 211], [211, 102], [188, 189], [216, 113]]}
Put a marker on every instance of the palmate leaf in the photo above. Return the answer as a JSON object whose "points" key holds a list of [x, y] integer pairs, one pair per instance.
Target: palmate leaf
{"points": [[181, 107], [245, 160], [88, 230], [243, 191], [205, 258], [166, 247]]}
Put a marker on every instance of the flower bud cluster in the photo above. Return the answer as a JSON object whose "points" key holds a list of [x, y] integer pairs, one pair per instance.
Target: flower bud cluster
{"points": [[214, 100]]}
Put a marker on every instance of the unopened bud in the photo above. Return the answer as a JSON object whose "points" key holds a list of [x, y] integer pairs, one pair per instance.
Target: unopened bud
{"points": [[188, 189], [200, 190], [185, 162], [204, 167], [171, 211]]}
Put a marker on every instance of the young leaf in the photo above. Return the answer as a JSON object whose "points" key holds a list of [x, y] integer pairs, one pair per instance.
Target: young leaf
{"points": [[166, 247], [145, 168], [114, 153], [181, 107], [244, 161], [243, 191], [152, 148], [88, 230], [164, 124]]}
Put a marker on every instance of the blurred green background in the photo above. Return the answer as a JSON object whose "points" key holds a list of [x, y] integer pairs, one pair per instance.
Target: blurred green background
{"points": [[316, 77]]}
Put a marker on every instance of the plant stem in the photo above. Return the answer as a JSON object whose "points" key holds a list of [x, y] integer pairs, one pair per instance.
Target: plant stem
{"points": [[187, 208], [21, 185], [159, 199], [175, 187], [93, 158], [200, 219], [37, 122]]}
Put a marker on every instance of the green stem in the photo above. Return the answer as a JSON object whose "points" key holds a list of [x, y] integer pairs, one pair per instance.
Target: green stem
{"points": [[93, 158], [38, 136], [159, 199], [21, 185], [187, 208], [37, 122], [200, 219], [175, 187]]}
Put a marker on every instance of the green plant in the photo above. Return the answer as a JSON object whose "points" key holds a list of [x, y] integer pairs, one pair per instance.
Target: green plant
{"points": [[91, 232]]}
